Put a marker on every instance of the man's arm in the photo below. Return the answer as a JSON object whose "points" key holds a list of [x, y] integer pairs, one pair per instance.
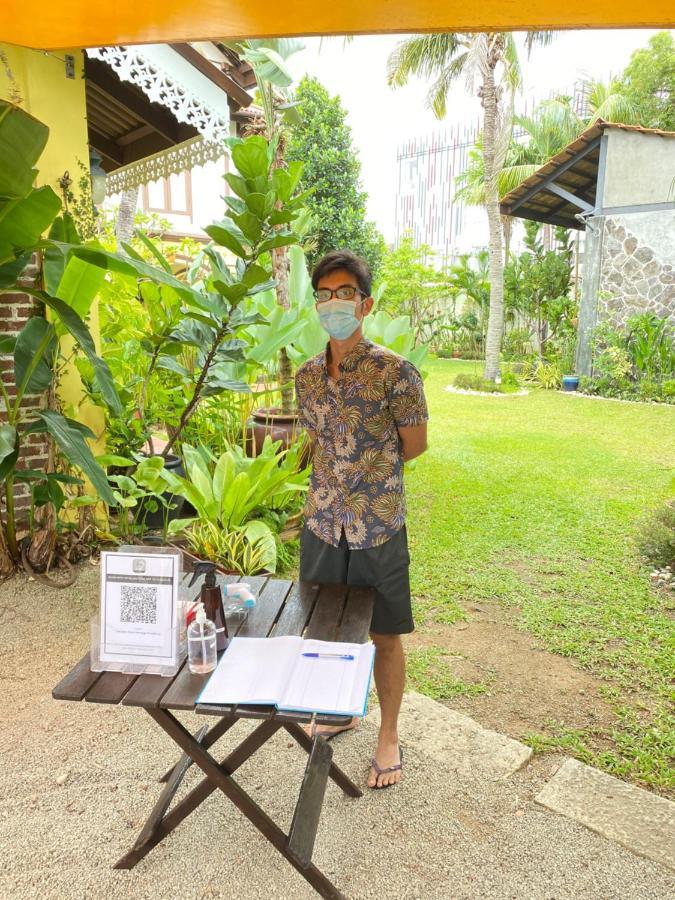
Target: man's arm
{"points": [[413, 440]]}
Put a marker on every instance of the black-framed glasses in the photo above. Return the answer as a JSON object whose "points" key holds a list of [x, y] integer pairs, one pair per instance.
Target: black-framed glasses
{"points": [[344, 292]]}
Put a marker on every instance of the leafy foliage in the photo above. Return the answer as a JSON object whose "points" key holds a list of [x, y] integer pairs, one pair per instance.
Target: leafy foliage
{"points": [[25, 213], [649, 82], [537, 285], [228, 490], [193, 325], [323, 142], [412, 287]]}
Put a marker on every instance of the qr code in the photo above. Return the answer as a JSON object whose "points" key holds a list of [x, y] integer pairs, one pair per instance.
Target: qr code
{"points": [[139, 604]]}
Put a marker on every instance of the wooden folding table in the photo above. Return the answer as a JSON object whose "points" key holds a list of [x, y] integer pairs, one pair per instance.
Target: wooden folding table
{"points": [[325, 612]]}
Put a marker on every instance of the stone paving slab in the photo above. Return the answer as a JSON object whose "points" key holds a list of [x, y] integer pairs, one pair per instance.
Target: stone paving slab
{"points": [[635, 818], [459, 742]]}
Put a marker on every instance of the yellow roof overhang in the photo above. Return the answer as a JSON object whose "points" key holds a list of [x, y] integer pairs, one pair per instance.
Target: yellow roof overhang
{"points": [[81, 23]]}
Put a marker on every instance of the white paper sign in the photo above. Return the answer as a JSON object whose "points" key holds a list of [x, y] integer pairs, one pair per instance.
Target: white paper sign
{"points": [[139, 608]]}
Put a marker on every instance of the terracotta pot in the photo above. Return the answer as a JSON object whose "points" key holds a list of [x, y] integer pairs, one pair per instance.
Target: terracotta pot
{"points": [[270, 421]]}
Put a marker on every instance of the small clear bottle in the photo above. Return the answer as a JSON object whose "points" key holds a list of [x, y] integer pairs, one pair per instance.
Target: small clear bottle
{"points": [[239, 602], [201, 641]]}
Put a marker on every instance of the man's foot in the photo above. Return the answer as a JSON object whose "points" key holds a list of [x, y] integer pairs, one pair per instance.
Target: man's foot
{"points": [[327, 732], [387, 763]]}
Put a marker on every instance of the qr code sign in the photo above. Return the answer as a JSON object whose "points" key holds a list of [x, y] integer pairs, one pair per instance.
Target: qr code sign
{"points": [[138, 604]]}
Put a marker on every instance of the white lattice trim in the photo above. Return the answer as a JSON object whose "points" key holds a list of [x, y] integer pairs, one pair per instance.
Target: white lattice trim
{"points": [[180, 158], [168, 79]]}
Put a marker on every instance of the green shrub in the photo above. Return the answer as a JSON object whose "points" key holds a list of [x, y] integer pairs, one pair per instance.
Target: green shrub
{"points": [[509, 380], [466, 382], [647, 389], [543, 374], [657, 540], [668, 390]]}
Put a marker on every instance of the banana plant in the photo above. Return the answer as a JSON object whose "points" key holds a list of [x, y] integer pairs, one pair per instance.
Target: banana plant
{"points": [[26, 213]]}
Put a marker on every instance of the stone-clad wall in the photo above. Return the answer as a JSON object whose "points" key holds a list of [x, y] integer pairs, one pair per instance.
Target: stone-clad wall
{"points": [[638, 266]]}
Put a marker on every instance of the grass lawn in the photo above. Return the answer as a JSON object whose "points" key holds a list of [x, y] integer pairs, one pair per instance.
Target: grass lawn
{"points": [[535, 502]]}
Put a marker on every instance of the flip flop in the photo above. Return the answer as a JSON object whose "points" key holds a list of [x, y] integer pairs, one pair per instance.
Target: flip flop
{"points": [[329, 735], [397, 768]]}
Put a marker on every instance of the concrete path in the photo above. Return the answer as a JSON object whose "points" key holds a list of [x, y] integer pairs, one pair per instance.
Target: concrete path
{"points": [[77, 781]]}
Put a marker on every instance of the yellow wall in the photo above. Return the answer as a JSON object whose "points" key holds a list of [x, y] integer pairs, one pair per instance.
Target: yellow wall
{"points": [[37, 82]]}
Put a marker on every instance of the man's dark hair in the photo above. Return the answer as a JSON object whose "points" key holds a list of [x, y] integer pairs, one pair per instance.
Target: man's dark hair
{"points": [[350, 262]]}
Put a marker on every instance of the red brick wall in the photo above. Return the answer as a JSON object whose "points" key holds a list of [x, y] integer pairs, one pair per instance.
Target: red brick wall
{"points": [[15, 310]]}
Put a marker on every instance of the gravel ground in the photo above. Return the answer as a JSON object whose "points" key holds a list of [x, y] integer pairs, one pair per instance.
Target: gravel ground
{"points": [[77, 781]]}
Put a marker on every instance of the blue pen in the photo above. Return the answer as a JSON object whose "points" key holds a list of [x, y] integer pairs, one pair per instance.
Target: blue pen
{"points": [[329, 655]]}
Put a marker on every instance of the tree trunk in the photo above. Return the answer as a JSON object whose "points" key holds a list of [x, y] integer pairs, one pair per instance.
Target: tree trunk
{"points": [[507, 227], [124, 227], [495, 247], [280, 271]]}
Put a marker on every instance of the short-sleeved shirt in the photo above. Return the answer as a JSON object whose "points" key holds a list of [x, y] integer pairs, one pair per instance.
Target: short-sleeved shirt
{"points": [[357, 474]]}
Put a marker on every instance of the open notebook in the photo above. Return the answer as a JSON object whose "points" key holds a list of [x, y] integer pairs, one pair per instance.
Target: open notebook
{"points": [[273, 672]]}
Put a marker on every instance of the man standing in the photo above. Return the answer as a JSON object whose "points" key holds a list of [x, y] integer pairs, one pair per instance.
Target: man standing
{"points": [[365, 411]]}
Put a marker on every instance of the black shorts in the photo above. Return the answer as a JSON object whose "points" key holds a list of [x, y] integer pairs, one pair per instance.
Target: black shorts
{"points": [[384, 568]]}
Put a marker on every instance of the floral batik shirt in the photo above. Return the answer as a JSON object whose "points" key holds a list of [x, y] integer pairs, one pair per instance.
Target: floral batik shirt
{"points": [[357, 474]]}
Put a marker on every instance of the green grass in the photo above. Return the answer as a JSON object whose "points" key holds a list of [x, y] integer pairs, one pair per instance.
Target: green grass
{"points": [[429, 672], [535, 502]]}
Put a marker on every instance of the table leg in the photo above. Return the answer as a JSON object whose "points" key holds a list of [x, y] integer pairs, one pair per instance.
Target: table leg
{"points": [[298, 733], [196, 796], [220, 777], [208, 740]]}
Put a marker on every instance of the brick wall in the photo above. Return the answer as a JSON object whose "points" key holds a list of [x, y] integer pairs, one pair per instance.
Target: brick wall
{"points": [[15, 310]]}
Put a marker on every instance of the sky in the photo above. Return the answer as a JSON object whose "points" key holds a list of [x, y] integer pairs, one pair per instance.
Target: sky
{"points": [[382, 119]]}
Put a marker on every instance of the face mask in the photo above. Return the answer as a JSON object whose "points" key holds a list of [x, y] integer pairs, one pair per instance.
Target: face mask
{"points": [[338, 318]]}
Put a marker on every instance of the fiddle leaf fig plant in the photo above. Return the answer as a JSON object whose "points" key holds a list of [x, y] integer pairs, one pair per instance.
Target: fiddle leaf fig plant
{"points": [[213, 317]]}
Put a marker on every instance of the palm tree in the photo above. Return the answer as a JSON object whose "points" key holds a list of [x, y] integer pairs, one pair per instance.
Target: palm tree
{"points": [[490, 61]]}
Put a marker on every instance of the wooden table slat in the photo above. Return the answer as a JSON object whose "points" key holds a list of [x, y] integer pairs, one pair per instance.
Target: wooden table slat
{"points": [[110, 687], [323, 624], [148, 690], [357, 615], [297, 609], [184, 690], [77, 682]]}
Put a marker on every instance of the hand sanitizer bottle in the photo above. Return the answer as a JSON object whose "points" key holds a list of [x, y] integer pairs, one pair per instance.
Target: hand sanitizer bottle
{"points": [[201, 640], [240, 601]]}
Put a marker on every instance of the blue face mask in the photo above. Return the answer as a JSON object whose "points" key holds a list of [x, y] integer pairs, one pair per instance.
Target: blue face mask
{"points": [[338, 318]]}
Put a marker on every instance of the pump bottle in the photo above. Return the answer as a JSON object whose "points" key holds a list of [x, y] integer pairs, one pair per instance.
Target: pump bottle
{"points": [[212, 598], [201, 641]]}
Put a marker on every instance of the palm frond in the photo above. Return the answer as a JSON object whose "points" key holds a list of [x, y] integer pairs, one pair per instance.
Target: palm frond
{"points": [[539, 39], [511, 176], [476, 65], [425, 55], [606, 101], [512, 71]]}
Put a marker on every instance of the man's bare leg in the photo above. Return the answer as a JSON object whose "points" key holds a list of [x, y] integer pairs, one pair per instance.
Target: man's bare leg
{"points": [[390, 681]]}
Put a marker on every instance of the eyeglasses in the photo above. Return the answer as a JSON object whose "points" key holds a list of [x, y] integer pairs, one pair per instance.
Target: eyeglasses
{"points": [[344, 292]]}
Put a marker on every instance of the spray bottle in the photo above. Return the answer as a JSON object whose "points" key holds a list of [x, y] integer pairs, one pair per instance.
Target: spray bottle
{"points": [[201, 641], [212, 598]]}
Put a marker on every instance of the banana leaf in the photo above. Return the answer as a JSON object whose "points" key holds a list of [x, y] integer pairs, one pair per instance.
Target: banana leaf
{"points": [[72, 444]]}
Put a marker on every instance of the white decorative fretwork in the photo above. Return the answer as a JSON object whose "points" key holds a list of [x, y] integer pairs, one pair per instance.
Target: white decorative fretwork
{"points": [[168, 79], [173, 161]]}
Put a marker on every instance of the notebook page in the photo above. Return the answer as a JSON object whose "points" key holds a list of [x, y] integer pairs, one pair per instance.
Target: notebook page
{"points": [[327, 685], [252, 670]]}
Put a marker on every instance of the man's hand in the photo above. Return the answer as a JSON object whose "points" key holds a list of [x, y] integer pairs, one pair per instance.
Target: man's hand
{"points": [[413, 440]]}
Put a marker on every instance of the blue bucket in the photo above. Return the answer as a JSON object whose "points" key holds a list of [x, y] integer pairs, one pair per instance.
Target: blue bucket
{"points": [[570, 382]]}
